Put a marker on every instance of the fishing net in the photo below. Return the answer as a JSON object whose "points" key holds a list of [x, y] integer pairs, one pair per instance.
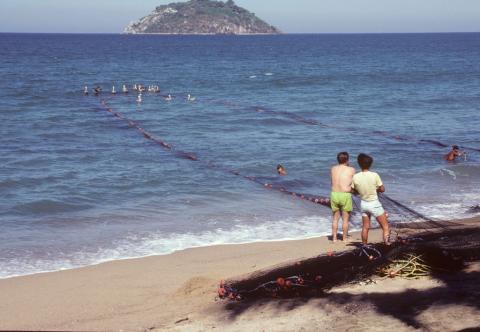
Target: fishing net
{"points": [[400, 215], [331, 269], [445, 251], [398, 212], [302, 120]]}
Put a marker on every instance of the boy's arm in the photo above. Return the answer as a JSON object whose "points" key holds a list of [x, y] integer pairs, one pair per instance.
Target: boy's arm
{"points": [[353, 190], [380, 186], [352, 187]]}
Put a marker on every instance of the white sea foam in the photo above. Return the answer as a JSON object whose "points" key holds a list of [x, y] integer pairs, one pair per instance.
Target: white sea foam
{"points": [[268, 74], [135, 246], [456, 208], [253, 76], [445, 171], [159, 244]]}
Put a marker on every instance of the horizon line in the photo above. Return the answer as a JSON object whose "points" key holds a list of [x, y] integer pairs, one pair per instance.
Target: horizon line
{"points": [[193, 34]]}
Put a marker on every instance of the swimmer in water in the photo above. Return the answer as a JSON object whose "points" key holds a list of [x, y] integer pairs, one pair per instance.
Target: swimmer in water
{"points": [[452, 155], [281, 170]]}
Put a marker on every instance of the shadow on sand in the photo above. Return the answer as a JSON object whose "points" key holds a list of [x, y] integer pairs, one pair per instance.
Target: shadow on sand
{"points": [[447, 252]]}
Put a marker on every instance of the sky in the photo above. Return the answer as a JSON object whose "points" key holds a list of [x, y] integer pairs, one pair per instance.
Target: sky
{"points": [[291, 16]]}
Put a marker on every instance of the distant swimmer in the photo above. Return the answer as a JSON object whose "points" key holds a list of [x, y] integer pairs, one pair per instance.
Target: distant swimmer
{"points": [[135, 87], [97, 90], [281, 170], [169, 97], [85, 91], [141, 88], [157, 89], [114, 92], [124, 89], [454, 154], [139, 98], [190, 98]]}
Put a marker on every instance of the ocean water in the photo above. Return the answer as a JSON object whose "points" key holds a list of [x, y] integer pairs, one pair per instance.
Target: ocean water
{"points": [[79, 187]]}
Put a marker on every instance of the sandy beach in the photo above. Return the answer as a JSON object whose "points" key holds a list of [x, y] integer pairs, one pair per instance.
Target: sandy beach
{"points": [[178, 292]]}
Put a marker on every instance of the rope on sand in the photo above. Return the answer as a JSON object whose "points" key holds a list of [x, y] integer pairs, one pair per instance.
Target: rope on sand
{"points": [[292, 285], [409, 267], [370, 252]]}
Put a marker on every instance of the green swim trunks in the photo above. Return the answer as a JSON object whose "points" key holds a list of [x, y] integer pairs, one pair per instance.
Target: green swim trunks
{"points": [[341, 202]]}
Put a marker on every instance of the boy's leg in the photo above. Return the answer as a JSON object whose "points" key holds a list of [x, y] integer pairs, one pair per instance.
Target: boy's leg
{"points": [[365, 228], [383, 221], [336, 216], [345, 217]]}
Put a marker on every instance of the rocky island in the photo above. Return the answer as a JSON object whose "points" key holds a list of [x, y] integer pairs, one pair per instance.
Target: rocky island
{"points": [[201, 17]]}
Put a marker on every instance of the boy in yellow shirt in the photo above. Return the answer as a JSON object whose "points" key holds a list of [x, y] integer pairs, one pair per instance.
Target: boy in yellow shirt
{"points": [[367, 184]]}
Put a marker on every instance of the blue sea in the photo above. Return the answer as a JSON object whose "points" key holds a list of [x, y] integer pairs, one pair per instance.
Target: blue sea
{"points": [[79, 186]]}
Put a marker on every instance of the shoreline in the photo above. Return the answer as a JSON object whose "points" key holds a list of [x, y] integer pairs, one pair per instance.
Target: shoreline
{"points": [[155, 291], [195, 247], [211, 245]]}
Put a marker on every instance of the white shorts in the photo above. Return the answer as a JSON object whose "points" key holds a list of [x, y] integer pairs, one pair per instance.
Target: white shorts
{"points": [[374, 208]]}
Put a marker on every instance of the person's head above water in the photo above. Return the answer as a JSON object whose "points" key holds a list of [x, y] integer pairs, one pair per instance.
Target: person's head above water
{"points": [[342, 158], [364, 161], [281, 170], [454, 153]]}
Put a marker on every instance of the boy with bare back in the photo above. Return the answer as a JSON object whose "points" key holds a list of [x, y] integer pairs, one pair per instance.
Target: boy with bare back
{"points": [[341, 197]]}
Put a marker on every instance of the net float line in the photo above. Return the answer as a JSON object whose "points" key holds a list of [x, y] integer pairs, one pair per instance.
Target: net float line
{"points": [[400, 210], [306, 121], [324, 201], [302, 120]]}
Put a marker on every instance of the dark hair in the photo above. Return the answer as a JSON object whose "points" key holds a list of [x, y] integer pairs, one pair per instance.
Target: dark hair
{"points": [[455, 147], [342, 157], [365, 161], [280, 166]]}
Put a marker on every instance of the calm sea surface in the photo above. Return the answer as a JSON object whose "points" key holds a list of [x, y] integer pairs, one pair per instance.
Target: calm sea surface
{"points": [[78, 186]]}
